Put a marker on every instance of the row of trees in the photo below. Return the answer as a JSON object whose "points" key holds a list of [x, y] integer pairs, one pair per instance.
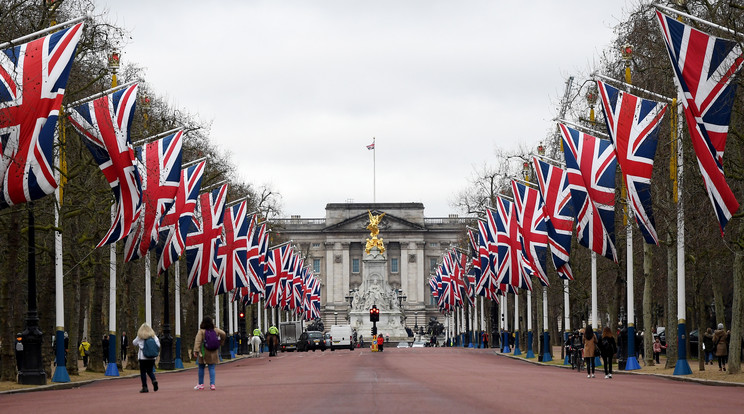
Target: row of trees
{"points": [[714, 264], [85, 212]]}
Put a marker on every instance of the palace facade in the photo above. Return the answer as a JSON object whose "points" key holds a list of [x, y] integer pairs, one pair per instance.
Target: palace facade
{"points": [[334, 246]]}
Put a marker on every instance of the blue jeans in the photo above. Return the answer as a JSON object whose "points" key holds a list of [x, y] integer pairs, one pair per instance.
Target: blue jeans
{"points": [[211, 374]]}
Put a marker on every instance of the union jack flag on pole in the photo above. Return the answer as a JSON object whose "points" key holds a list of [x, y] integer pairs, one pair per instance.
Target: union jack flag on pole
{"points": [[559, 210], [273, 274], [533, 232], [485, 279], [591, 165], [510, 274], [104, 126], [202, 244], [180, 218], [232, 258], [704, 66], [159, 164], [633, 124], [33, 77], [257, 257]]}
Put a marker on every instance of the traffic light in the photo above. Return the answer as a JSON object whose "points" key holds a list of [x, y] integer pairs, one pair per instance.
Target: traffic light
{"points": [[374, 332], [374, 314], [241, 315]]}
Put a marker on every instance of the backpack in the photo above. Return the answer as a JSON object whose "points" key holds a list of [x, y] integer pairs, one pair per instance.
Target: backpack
{"points": [[606, 346], [150, 348], [211, 340]]}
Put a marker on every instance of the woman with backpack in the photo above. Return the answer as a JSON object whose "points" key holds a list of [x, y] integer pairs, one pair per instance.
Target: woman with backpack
{"points": [[206, 350], [608, 348], [146, 341]]}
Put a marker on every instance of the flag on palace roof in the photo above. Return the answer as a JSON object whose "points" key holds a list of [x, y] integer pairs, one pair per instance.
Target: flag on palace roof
{"points": [[633, 124], [179, 220], [104, 126], [202, 244], [371, 146], [591, 164], [33, 77], [704, 67], [159, 164], [560, 213], [533, 233]]}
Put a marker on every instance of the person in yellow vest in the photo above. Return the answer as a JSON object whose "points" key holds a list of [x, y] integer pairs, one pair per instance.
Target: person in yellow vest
{"points": [[84, 350], [273, 340]]}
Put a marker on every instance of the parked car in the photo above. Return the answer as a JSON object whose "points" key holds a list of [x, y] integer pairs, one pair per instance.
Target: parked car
{"points": [[316, 340], [418, 344], [327, 339], [403, 345]]}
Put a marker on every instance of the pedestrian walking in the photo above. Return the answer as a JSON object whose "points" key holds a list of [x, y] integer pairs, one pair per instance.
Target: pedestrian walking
{"points": [[206, 350], [608, 349], [146, 355], [84, 350], [105, 348], [720, 344], [590, 346], [657, 349], [708, 346], [380, 342], [124, 345], [485, 339]]}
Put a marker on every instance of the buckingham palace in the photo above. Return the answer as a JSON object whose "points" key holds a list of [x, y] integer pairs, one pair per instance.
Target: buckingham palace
{"points": [[334, 246]]}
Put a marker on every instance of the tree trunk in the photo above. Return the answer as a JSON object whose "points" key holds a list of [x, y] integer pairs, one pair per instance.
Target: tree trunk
{"points": [[736, 311], [671, 328], [10, 294], [700, 316], [718, 300], [648, 285]]}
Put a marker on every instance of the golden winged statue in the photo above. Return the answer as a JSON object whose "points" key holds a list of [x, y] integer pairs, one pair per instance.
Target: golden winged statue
{"points": [[374, 230]]}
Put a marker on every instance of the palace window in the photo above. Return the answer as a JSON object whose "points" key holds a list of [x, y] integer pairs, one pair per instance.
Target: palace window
{"points": [[394, 265], [316, 245], [354, 265], [433, 264], [316, 265]]}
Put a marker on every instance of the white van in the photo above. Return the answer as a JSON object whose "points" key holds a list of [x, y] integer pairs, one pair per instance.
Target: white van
{"points": [[341, 337]]}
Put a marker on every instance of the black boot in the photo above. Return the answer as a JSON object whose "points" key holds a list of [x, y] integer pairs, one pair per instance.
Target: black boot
{"points": [[155, 386], [144, 389]]}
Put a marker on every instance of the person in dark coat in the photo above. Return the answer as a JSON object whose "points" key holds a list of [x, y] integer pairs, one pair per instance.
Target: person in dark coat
{"points": [[708, 345], [608, 348], [105, 348], [124, 345]]}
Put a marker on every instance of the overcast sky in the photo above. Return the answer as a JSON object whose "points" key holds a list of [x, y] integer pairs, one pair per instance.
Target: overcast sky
{"points": [[297, 89]]}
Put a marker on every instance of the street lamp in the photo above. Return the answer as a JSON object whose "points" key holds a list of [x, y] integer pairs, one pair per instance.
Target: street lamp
{"points": [[415, 320], [401, 298], [335, 318], [591, 98]]}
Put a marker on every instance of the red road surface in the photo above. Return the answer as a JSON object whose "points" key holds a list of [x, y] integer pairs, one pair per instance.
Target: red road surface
{"points": [[421, 380]]}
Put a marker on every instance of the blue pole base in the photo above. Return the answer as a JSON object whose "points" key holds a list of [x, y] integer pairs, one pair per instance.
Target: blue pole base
{"points": [[60, 374], [506, 349], [178, 363], [547, 357], [232, 353], [632, 364], [598, 361], [529, 354], [112, 370], [517, 351], [567, 360], [682, 367], [471, 345]]}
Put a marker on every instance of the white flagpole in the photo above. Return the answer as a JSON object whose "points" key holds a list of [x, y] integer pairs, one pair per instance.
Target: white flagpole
{"points": [[60, 370], [374, 171], [682, 367], [258, 319], [148, 291], [546, 344], [530, 351], [201, 307], [517, 351], [217, 311], [594, 288]]}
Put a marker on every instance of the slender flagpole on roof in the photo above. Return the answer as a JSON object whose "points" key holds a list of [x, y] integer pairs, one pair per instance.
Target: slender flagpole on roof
{"points": [[374, 171]]}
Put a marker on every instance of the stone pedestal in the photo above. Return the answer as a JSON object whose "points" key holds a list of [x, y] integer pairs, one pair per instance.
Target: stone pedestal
{"points": [[375, 290]]}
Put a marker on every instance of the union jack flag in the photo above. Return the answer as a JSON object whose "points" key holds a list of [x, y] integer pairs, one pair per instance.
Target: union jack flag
{"points": [[104, 126], [633, 124], [273, 273], [232, 259], [202, 244], [180, 218], [33, 77], [315, 300], [288, 269], [533, 233], [433, 288], [485, 279], [257, 257], [703, 69], [591, 164], [509, 274], [159, 164], [559, 210], [298, 286]]}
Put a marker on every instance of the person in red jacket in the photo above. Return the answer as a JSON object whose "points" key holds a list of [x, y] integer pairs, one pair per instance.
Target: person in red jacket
{"points": [[380, 342]]}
